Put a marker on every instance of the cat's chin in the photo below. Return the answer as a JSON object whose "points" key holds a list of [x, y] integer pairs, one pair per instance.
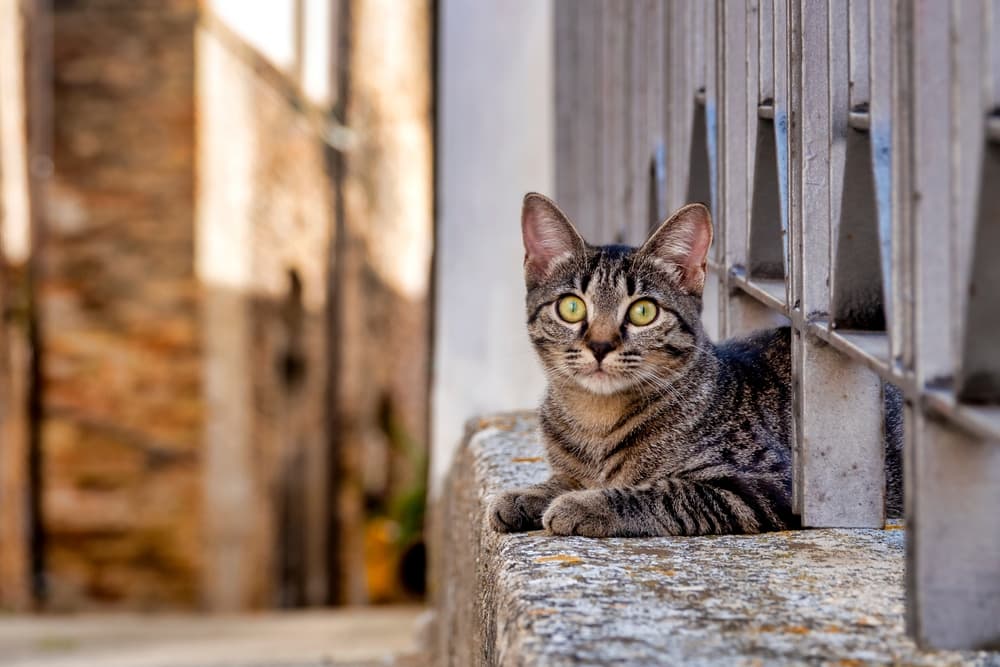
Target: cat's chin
{"points": [[603, 383]]}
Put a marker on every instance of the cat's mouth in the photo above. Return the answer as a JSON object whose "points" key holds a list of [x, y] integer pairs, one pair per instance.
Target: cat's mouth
{"points": [[597, 370], [600, 380]]}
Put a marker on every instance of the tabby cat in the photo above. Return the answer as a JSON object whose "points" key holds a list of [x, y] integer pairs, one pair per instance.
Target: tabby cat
{"points": [[650, 428]]}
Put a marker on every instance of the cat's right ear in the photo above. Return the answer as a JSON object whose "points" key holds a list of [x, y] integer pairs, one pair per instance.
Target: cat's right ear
{"points": [[549, 237]]}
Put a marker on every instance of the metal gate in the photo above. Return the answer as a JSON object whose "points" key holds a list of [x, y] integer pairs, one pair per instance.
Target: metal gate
{"points": [[850, 151]]}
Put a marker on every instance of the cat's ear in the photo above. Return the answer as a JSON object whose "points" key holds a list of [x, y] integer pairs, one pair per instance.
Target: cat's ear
{"points": [[549, 237], [681, 246]]}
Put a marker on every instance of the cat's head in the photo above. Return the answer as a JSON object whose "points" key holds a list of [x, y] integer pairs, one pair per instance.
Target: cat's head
{"points": [[614, 318]]}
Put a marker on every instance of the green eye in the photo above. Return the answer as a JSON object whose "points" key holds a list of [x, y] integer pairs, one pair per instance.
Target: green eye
{"points": [[572, 309], [642, 312]]}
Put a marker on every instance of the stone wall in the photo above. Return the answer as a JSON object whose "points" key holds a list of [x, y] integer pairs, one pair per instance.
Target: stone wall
{"points": [[118, 305]]}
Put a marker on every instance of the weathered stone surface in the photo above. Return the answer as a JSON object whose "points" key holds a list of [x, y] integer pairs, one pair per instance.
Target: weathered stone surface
{"points": [[533, 599], [118, 303]]}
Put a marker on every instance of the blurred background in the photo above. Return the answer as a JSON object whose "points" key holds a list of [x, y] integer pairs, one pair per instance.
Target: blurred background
{"points": [[260, 261]]}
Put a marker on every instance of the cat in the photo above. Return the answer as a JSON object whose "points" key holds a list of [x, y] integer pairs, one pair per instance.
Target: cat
{"points": [[651, 429]]}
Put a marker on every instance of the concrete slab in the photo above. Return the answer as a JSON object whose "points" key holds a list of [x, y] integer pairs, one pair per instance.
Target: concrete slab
{"points": [[811, 596], [357, 637]]}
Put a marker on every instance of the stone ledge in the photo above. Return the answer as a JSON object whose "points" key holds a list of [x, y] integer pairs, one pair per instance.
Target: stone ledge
{"points": [[534, 599]]}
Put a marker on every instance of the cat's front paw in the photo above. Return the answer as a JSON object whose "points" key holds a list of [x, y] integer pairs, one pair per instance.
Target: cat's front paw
{"points": [[516, 511], [583, 513]]}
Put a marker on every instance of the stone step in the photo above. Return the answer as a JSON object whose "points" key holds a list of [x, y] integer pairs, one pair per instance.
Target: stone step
{"points": [[533, 599], [361, 636]]}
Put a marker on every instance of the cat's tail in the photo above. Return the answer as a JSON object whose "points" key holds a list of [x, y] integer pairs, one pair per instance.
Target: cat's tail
{"points": [[892, 404]]}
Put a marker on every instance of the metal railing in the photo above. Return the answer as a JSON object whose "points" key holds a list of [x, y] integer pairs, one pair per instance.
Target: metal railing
{"points": [[851, 153]]}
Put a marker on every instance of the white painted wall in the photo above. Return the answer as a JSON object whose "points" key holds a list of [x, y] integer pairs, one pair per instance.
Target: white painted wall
{"points": [[495, 143]]}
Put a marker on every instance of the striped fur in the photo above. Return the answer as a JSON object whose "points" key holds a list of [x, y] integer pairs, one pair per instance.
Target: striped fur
{"points": [[668, 434]]}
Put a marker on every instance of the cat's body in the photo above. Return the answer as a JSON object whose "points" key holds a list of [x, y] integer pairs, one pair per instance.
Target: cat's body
{"points": [[649, 428]]}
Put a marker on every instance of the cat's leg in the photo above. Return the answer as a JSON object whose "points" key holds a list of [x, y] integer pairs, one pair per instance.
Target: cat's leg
{"points": [[522, 509], [671, 507]]}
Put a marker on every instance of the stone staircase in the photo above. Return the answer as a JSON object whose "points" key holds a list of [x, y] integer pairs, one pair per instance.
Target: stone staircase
{"points": [[810, 596]]}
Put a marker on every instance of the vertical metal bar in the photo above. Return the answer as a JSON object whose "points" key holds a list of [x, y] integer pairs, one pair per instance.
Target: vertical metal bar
{"points": [[766, 31], [669, 106], [581, 116], [782, 113], [953, 480], [969, 109], [656, 106], [993, 53], [732, 151], [810, 243], [793, 274], [879, 39], [953, 537], [647, 102], [679, 102], [615, 121], [712, 60], [858, 52], [839, 87], [632, 221], [751, 98], [568, 113], [977, 203], [813, 221], [932, 179], [707, 33], [591, 116], [901, 337], [698, 12]]}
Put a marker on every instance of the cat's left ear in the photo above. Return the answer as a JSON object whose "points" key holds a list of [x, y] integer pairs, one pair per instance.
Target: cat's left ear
{"points": [[681, 244]]}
